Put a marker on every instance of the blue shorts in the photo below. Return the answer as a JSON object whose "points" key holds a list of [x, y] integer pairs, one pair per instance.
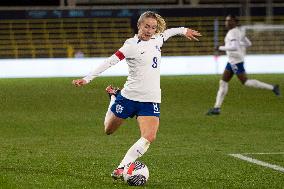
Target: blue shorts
{"points": [[124, 108], [235, 68]]}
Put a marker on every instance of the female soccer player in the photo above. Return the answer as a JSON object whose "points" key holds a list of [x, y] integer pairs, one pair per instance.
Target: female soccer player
{"points": [[141, 94], [235, 46]]}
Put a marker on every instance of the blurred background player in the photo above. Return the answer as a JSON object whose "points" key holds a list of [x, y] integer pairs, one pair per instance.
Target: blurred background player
{"points": [[141, 95], [235, 46]]}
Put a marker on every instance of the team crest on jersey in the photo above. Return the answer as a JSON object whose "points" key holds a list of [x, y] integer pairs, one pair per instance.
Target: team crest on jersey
{"points": [[119, 108]]}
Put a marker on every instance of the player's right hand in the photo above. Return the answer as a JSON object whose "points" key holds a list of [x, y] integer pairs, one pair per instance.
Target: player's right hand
{"points": [[79, 82]]}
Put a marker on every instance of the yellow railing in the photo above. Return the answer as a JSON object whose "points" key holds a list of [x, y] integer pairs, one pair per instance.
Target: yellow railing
{"points": [[58, 37], [101, 37]]}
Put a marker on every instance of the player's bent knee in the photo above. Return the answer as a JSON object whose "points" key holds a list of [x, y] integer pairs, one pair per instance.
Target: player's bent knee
{"points": [[111, 126], [106, 123], [108, 131]]}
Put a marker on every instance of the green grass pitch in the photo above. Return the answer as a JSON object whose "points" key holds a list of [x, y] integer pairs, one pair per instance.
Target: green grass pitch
{"points": [[51, 135]]}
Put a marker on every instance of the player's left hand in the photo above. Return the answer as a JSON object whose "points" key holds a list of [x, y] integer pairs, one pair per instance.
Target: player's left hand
{"points": [[192, 34]]}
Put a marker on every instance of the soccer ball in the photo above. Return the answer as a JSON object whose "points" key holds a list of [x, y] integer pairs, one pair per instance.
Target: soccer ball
{"points": [[136, 174]]}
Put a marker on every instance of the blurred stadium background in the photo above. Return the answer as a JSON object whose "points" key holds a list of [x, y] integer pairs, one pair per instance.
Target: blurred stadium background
{"points": [[97, 28]]}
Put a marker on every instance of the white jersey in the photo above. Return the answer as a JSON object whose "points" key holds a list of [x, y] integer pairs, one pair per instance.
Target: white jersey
{"points": [[144, 60], [235, 45]]}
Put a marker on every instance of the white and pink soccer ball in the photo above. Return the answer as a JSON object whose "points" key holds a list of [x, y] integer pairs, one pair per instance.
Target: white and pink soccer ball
{"points": [[136, 174]]}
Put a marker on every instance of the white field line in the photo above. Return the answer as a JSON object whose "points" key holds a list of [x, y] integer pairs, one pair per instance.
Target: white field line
{"points": [[258, 162], [267, 153]]}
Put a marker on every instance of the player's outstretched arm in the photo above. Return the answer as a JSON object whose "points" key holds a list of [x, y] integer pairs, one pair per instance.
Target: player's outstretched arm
{"points": [[112, 60], [192, 34], [187, 32]]}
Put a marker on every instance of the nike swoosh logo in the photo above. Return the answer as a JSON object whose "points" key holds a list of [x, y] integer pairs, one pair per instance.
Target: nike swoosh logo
{"points": [[139, 152]]}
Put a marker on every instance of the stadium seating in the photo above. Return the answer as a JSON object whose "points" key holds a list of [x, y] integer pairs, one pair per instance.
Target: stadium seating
{"points": [[57, 37], [101, 37]]}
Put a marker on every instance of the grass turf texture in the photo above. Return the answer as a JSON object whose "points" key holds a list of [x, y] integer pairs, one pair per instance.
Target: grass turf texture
{"points": [[51, 135]]}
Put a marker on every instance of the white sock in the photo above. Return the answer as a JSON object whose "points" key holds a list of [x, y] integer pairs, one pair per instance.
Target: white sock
{"points": [[112, 100], [258, 84], [136, 151], [223, 90]]}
